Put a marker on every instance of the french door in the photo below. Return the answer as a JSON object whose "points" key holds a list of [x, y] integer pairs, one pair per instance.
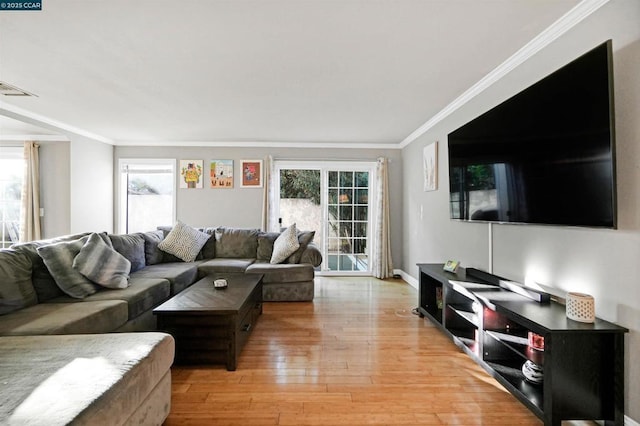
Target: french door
{"points": [[333, 199]]}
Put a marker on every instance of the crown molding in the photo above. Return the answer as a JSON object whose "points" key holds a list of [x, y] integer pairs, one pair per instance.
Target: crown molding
{"points": [[262, 144], [576, 15], [37, 138], [48, 123]]}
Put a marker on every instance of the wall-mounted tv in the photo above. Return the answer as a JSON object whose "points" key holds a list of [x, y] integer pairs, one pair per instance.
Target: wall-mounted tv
{"points": [[544, 156]]}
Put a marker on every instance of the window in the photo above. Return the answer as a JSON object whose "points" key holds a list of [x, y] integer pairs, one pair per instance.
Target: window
{"points": [[11, 175], [147, 194]]}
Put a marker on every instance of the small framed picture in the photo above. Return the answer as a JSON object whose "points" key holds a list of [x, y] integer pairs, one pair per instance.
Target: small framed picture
{"points": [[221, 174], [451, 265], [191, 174], [251, 171]]}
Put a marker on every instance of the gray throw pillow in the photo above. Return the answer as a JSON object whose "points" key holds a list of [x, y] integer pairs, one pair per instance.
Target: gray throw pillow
{"points": [[265, 245], [184, 242], [152, 254], [102, 264], [130, 246], [209, 248], [285, 245], [58, 258], [304, 238], [16, 289]]}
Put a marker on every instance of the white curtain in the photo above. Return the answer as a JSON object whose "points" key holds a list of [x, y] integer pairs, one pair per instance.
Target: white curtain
{"points": [[382, 264], [268, 202], [30, 209]]}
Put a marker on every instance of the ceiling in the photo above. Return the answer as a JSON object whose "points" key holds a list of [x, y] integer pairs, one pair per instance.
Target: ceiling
{"points": [[299, 72]]}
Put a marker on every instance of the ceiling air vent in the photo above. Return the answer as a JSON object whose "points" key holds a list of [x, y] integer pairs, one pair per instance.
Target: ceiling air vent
{"points": [[8, 90]]}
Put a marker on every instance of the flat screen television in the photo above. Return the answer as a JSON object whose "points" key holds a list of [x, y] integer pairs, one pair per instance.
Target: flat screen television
{"points": [[544, 156]]}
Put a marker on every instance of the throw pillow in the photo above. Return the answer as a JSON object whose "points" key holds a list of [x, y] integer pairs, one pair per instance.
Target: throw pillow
{"points": [[208, 251], [209, 248], [16, 289], [184, 242], [44, 284], [265, 245], [102, 264], [58, 258], [285, 245], [152, 254], [166, 257], [130, 246], [304, 238]]}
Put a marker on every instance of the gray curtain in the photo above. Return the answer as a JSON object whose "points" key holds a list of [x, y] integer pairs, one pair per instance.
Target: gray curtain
{"points": [[30, 210], [382, 263]]}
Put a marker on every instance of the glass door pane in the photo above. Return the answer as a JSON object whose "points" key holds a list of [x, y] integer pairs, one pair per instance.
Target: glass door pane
{"points": [[300, 201], [348, 221]]}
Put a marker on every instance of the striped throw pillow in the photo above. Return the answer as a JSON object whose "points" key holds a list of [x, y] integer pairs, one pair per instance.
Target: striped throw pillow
{"points": [[102, 264], [58, 258], [184, 242]]}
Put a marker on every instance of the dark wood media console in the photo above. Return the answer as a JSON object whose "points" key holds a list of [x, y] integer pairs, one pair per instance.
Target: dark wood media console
{"points": [[583, 363]]}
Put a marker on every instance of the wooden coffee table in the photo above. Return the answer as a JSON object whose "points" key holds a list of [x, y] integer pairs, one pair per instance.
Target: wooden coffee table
{"points": [[211, 325]]}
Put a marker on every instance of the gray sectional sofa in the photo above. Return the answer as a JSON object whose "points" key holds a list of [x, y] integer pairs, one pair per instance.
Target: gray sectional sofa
{"points": [[86, 379], [42, 296]]}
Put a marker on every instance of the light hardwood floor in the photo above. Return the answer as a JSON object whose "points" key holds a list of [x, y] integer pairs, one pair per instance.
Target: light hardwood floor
{"points": [[354, 356]]}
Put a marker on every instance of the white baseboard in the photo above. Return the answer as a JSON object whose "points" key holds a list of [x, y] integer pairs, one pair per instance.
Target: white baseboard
{"points": [[628, 421], [408, 278]]}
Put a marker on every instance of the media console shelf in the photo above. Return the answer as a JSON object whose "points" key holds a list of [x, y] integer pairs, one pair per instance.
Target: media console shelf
{"points": [[583, 363]]}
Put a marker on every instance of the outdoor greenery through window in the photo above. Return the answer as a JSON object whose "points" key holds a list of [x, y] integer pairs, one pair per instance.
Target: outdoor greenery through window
{"points": [[300, 201], [11, 175], [300, 184]]}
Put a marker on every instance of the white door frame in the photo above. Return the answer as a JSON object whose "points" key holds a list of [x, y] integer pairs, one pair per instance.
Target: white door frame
{"points": [[324, 167]]}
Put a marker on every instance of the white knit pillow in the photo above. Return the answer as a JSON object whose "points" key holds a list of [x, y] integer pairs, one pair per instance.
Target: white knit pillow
{"points": [[285, 245], [184, 242]]}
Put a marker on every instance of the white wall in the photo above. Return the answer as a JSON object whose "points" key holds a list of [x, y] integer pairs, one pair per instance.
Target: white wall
{"points": [[55, 191], [91, 185], [242, 207], [604, 263]]}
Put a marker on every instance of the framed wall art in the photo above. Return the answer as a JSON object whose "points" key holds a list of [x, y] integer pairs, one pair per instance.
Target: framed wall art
{"points": [[221, 174], [251, 174], [191, 174], [430, 166]]}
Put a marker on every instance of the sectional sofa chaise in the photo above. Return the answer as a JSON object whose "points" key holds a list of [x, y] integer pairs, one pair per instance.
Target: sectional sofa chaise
{"points": [[60, 297]]}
